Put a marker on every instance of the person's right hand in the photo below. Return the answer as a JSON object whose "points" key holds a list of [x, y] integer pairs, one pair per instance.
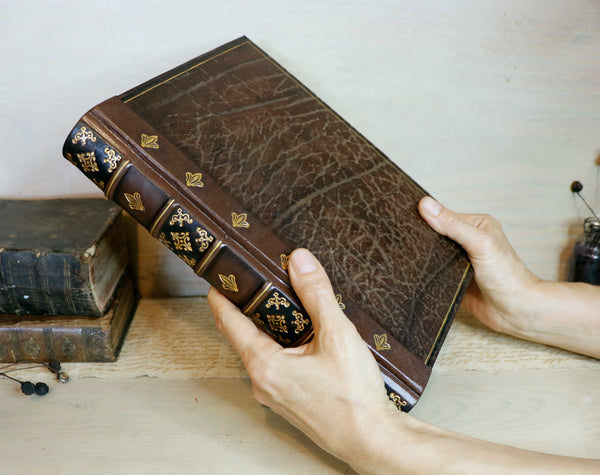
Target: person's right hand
{"points": [[503, 288]]}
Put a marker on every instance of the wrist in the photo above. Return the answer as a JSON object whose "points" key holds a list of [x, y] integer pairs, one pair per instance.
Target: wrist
{"points": [[530, 298], [368, 435]]}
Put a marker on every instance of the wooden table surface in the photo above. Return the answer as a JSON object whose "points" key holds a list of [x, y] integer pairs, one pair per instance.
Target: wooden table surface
{"points": [[179, 401]]}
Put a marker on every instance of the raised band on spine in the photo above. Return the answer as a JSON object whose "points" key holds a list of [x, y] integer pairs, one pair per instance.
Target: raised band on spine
{"points": [[160, 217], [257, 299], [208, 258], [115, 178]]}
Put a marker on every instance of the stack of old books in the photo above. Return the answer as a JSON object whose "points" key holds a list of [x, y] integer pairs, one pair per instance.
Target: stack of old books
{"points": [[66, 293]]}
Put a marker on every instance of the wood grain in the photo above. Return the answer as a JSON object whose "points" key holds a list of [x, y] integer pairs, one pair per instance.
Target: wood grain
{"points": [[179, 400], [177, 338]]}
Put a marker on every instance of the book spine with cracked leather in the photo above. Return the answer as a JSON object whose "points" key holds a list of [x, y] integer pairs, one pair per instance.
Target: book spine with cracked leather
{"points": [[232, 163]]}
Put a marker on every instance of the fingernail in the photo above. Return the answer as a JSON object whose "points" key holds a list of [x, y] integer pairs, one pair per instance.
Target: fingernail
{"points": [[303, 261], [431, 207]]}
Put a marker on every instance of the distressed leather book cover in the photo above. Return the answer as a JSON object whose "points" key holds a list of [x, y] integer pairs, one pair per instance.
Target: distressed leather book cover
{"points": [[70, 338], [234, 151], [60, 256]]}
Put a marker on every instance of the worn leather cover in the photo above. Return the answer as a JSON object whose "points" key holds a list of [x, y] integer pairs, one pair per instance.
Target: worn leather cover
{"points": [[52, 265], [70, 338], [232, 163]]}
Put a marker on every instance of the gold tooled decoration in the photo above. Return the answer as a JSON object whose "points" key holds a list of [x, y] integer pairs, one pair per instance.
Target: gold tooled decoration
{"points": [[135, 201], [204, 240], [397, 400], [276, 301], [68, 348], [87, 161], [239, 220], [299, 321], [180, 217], [181, 241], [189, 261], [256, 319], [381, 342], [32, 348], [285, 261], [113, 159], [277, 323], [83, 136], [163, 238], [338, 297], [229, 283], [149, 141], [193, 180], [99, 183]]}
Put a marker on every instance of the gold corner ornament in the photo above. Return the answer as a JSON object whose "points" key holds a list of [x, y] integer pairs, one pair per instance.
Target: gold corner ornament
{"points": [[381, 343], [285, 261], [228, 283], [135, 201], [240, 220], [149, 141], [193, 180]]}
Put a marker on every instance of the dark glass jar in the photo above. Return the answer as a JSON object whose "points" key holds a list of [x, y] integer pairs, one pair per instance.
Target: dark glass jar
{"points": [[584, 264]]}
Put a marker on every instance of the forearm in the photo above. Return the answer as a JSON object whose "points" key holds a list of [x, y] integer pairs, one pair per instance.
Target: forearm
{"points": [[563, 314], [415, 447]]}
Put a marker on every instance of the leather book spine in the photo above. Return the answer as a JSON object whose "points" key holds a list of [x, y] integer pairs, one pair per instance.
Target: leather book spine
{"points": [[56, 282], [189, 214], [186, 210], [39, 338], [42, 273]]}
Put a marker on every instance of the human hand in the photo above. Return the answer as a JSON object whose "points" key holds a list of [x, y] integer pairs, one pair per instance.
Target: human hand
{"points": [[331, 387], [503, 291]]}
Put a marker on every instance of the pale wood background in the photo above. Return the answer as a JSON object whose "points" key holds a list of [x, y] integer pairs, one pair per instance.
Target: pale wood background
{"points": [[492, 106], [178, 401]]}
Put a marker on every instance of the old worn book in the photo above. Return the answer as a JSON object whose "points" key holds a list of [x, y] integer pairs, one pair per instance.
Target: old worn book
{"points": [[232, 163], [70, 338], [60, 256]]}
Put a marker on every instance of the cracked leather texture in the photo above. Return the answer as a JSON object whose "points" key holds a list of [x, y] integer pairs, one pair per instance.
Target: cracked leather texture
{"points": [[315, 182]]}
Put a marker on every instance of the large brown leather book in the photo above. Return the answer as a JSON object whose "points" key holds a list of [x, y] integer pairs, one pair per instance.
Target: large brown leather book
{"points": [[60, 256], [70, 338], [233, 163]]}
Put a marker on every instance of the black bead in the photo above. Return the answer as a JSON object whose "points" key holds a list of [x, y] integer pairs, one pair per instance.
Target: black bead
{"points": [[27, 388], [576, 186], [41, 389], [54, 366]]}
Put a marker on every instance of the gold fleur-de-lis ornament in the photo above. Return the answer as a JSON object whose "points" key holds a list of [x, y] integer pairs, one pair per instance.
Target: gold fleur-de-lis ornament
{"points": [[135, 201], [149, 141], [239, 220], [228, 282], [193, 180], [381, 342]]}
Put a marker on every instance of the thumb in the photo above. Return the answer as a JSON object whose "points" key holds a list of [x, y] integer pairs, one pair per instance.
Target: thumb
{"points": [[314, 290], [466, 229]]}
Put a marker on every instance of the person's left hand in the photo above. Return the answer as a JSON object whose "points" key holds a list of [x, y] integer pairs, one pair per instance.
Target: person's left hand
{"points": [[331, 387]]}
